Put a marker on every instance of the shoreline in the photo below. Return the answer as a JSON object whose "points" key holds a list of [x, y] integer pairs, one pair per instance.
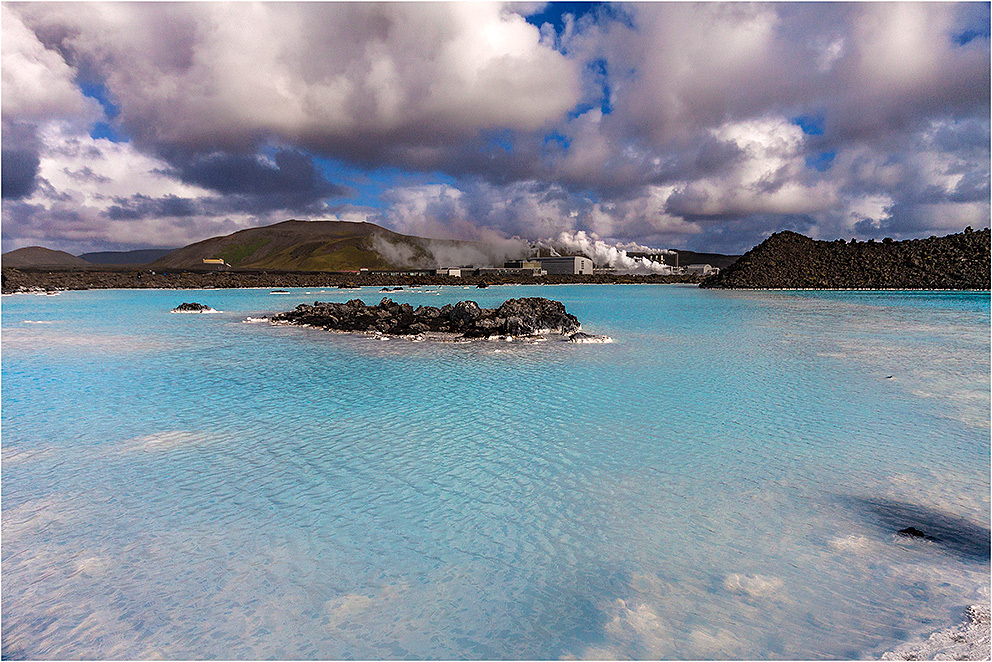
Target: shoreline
{"points": [[967, 640], [40, 279]]}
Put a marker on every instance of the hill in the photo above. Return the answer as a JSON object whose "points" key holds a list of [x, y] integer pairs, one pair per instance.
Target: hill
{"points": [[792, 261], [126, 257], [317, 246], [38, 257], [685, 258]]}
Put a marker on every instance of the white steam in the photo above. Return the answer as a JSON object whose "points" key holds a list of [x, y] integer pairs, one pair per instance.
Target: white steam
{"points": [[423, 253], [494, 250], [604, 254]]}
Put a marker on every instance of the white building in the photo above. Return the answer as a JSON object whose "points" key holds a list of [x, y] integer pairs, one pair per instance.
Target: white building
{"points": [[702, 269], [572, 264]]}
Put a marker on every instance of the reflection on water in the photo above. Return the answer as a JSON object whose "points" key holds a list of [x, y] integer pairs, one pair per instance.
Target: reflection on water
{"points": [[726, 480]]}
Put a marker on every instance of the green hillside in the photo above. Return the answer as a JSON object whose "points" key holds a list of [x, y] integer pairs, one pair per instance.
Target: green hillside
{"points": [[308, 246]]}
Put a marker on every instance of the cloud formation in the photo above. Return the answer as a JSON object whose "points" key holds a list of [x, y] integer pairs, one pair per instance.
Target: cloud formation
{"points": [[703, 126]]}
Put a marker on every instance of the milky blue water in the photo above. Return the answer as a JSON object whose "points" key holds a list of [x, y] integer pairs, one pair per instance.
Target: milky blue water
{"points": [[724, 481]]}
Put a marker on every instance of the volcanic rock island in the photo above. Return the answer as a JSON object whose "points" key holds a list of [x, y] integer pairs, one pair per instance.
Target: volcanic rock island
{"points": [[515, 318]]}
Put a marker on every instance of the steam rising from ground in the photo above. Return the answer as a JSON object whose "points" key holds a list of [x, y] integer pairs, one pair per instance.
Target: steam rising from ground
{"points": [[493, 250], [604, 254], [436, 253]]}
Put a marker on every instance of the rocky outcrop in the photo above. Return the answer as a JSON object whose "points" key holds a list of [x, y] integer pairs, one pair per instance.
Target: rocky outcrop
{"points": [[516, 317], [192, 308], [792, 261]]}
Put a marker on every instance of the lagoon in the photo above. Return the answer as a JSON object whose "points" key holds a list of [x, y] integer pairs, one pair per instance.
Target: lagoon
{"points": [[726, 480]]}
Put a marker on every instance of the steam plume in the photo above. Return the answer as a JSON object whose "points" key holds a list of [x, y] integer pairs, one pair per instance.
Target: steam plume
{"points": [[604, 254]]}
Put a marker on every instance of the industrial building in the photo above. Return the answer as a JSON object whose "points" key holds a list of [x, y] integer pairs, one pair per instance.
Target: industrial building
{"points": [[572, 264], [522, 264], [702, 269], [515, 268]]}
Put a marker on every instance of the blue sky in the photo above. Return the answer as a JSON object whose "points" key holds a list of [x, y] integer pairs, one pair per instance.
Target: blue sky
{"points": [[705, 127]]}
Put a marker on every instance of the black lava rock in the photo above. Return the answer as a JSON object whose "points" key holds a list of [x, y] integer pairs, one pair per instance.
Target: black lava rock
{"points": [[790, 260], [913, 532], [516, 317], [191, 308]]}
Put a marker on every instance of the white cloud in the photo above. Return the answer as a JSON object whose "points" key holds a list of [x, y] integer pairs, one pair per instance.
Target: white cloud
{"points": [[37, 83], [320, 74], [770, 176], [96, 170]]}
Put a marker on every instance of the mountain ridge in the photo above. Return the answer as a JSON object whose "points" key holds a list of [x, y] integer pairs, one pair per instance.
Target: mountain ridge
{"points": [[311, 246]]}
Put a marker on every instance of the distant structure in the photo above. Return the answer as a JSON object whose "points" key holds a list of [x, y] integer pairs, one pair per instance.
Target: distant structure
{"points": [[522, 264], [515, 268], [399, 272], [572, 264], [671, 258], [215, 262], [702, 270], [456, 272]]}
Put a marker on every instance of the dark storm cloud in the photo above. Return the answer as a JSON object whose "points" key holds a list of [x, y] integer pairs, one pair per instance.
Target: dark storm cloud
{"points": [[291, 174], [20, 160], [17, 173], [141, 206]]}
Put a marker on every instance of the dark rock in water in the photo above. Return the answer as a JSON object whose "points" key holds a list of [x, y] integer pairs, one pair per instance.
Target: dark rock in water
{"points": [[191, 308], [482, 285], [955, 534], [516, 317], [913, 532]]}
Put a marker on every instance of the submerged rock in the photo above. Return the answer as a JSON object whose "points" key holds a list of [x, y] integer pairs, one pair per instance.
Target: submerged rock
{"points": [[516, 317]]}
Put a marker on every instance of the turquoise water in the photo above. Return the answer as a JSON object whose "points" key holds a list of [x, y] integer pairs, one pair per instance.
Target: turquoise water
{"points": [[723, 481]]}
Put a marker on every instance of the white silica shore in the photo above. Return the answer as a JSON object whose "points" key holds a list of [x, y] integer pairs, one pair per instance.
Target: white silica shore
{"points": [[969, 641], [593, 340]]}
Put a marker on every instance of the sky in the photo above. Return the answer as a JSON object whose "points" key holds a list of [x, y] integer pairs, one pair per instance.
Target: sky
{"points": [[704, 127]]}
